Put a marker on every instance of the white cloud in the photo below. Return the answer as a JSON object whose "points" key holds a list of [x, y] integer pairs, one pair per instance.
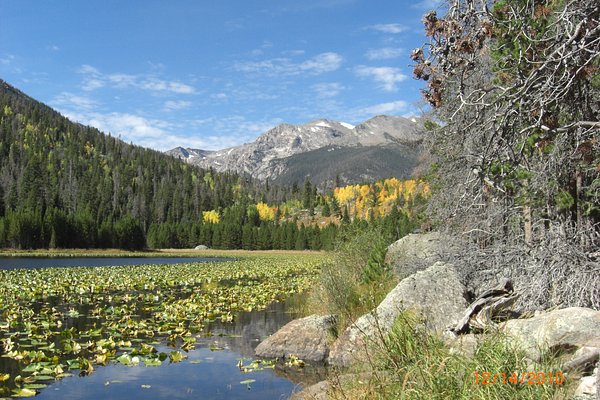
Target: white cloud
{"points": [[152, 133], [236, 130], [172, 105], [325, 90], [162, 135], [159, 85], [385, 53], [92, 84], [294, 53], [122, 80], [387, 77], [325, 62], [389, 28], [385, 108], [321, 63], [88, 70], [428, 4], [94, 79], [6, 60], [73, 101], [390, 108]]}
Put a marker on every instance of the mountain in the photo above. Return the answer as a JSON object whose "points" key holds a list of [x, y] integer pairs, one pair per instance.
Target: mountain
{"points": [[380, 147]]}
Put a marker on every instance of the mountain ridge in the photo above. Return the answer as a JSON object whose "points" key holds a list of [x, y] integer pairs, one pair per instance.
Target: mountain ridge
{"points": [[267, 157]]}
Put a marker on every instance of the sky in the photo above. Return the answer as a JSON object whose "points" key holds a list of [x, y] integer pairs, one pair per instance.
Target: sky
{"points": [[213, 74]]}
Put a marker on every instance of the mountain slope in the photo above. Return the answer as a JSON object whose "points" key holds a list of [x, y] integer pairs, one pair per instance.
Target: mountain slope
{"points": [[281, 153], [64, 184], [347, 165]]}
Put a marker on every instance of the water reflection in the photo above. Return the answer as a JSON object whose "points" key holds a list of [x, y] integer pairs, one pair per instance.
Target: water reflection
{"points": [[205, 374]]}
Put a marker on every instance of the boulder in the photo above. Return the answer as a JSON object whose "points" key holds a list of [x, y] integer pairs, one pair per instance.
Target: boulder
{"points": [[322, 390], [587, 388], [564, 330], [201, 247], [306, 338], [318, 391], [465, 345], [436, 294], [416, 252]]}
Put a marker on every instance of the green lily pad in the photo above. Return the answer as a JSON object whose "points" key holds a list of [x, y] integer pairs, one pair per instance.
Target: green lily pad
{"points": [[35, 385], [24, 392], [152, 362], [176, 356]]}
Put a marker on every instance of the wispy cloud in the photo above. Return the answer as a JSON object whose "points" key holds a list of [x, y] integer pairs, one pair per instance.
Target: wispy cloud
{"points": [[94, 79], [428, 4], [325, 90], [387, 77], [73, 101], [173, 105], [153, 133], [385, 108], [385, 53], [319, 64], [162, 135], [389, 28], [7, 59]]}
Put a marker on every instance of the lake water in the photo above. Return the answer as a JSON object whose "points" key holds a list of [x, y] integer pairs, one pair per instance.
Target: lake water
{"points": [[205, 374], [44, 262]]}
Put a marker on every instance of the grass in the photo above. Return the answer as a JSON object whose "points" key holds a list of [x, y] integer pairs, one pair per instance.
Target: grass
{"points": [[344, 288], [412, 364]]}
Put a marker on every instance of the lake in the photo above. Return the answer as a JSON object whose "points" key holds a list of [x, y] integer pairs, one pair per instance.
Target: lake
{"points": [[47, 262], [211, 370], [205, 374]]}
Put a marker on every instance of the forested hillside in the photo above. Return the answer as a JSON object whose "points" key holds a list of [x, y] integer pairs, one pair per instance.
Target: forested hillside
{"points": [[63, 184]]}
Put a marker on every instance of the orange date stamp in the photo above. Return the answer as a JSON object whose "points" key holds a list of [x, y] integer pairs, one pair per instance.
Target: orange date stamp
{"points": [[519, 378]]}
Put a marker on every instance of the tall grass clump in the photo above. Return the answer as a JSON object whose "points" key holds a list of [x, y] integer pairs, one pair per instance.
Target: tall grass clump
{"points": [[418, 365], [354, 279]]}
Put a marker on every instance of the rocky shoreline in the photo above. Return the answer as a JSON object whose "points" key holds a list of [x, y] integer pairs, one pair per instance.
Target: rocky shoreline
{"points": [[432, 288]]}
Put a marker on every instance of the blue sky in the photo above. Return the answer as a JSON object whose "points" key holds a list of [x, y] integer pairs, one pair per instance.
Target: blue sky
{"points": [[212, 74]]}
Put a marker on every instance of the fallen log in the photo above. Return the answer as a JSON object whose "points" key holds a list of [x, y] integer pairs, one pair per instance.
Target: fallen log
{"points": [[486, 308]]}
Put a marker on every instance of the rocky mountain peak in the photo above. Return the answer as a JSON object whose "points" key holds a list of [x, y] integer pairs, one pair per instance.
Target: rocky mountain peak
{"points": [[268, 156]]}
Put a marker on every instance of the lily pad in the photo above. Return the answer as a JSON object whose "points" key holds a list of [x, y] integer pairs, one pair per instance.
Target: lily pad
{"points": [[24, 392]]}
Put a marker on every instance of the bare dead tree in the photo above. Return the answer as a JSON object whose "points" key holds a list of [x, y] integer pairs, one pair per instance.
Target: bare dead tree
{"points": [[517, 86]]}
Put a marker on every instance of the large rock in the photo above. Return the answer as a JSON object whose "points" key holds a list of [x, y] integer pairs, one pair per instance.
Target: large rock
{"points": [[322, 390], [436, 294], [318, 391], [306, 338], [201, 247], [563, 330], [416, 252]]}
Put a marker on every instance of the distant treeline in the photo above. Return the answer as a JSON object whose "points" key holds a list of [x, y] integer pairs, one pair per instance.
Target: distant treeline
{"points": [[56, 229]]}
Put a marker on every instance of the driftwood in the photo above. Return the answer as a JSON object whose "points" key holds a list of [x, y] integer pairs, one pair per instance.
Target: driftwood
{"points": [[487, 307]]}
